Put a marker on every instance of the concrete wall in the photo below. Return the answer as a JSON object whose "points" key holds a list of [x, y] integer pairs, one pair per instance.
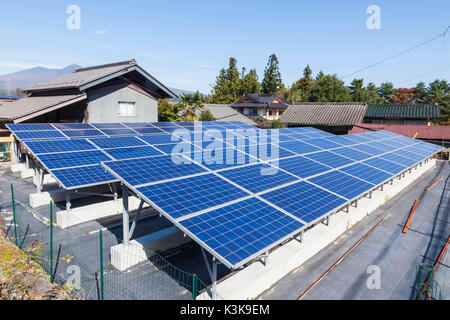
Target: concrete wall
{"points": [[104, 107]]}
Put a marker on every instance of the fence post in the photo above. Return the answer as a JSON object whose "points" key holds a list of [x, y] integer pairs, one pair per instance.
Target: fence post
{"points": [[14, 215], [194, 286], [51, 241], [102, 297]]}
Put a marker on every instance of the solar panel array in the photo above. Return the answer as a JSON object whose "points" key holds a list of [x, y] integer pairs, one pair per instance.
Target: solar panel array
{"points": [[240, 210], [237, 195]]}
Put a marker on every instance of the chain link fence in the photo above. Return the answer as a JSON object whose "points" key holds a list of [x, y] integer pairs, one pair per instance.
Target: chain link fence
{"points": [[92, 261]]}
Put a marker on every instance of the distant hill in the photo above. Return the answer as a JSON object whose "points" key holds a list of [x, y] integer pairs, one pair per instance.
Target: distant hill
{"points": [[29, 77]]}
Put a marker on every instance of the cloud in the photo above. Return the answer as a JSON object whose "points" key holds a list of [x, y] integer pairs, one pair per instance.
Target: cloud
{"points": [[100, 32]]}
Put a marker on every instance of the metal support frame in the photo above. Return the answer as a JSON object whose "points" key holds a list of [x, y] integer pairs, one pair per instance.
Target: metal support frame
{"points": [[68, 204], [326, 221], [39, 176], [354, 203], [115, 188], [125, 215], [369, 195], [27, 161], [93, 194], [212, 272], [135, 220]]}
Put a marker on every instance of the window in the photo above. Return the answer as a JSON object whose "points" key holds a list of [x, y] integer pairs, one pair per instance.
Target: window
{"points": [[127, 109], [270, 112], [253, 111]]}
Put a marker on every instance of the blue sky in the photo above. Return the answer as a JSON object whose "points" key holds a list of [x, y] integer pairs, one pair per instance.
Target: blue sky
{"points": [[185, 43]]}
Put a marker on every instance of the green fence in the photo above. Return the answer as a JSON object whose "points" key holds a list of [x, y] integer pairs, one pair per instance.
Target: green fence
{"points": [[93, 262], [425, 286]]}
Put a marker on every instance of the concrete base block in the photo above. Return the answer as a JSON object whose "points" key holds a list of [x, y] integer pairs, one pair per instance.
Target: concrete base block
{"points": [[94, 211], [27, 173], [17, 167], [257, 277], [48, 179], [126, 256]]}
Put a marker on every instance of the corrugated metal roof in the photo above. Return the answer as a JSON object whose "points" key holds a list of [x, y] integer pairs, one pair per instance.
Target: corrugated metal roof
{"points": [[324, 113], [409, 111], [223, 112], [23, 107], [425, 132]]}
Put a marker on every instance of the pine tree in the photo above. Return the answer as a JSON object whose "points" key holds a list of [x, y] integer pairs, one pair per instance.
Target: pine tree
{"points": [[301, 89], [272, 83]]}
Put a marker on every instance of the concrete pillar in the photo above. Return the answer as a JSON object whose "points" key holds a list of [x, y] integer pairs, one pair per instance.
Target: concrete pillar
{"points": [[125, 215]]}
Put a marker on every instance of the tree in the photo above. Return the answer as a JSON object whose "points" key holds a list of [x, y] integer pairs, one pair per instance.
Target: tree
{"points": [[189, 106], [438, 92], [249, 83], [420, 92], [226, 87], [372, 94], [328, 88], [357, 90], [403, 95], [301, 89], [272, 83], [386, 91], [167, 111], [206, 115], [264, 123]]}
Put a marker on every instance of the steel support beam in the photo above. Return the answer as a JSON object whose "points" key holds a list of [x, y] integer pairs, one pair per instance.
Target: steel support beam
{"points": [[135, 220], [115, 186], [125, 215], [68, 204]]}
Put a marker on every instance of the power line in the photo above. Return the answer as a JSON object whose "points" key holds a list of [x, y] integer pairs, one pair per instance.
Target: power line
{"points": [[398, 54]]}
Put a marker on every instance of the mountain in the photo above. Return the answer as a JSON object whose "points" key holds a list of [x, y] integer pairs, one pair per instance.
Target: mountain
{"points": [[29, 77]]}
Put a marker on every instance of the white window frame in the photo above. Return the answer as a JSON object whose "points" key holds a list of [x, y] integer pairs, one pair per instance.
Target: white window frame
{"points": [[130, 110]]}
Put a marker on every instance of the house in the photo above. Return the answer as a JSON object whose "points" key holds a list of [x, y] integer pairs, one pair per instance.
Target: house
{"points": [[334, 117], [408, 114], [268, 106], [439, 135], [116, 92], [223, 112], [340, 117]]}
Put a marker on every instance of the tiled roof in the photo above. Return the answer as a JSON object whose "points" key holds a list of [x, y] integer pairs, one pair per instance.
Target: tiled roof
{"points": [[424, 132], [223, 112], [324, 113], [23, 107], [262, 101], [82, 76], [408, 111]]}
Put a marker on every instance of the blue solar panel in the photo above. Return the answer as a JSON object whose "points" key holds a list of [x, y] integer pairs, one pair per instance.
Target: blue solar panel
{"points": [[184, 196], [137, 125], [271, 151], [71, 126], [381, 146], [410, 155], [179, 147], [302, 167], [239, 231], [30, 127], [83, 133], [322, 143], [29, 135], [116, 142], [149, 130], [385, 165], [132, 152], [342, 184], [366, 173], [113, 125], [358, 138], [351, 153], [160, 138], [330, 159], [81, 176], [165, 124], [59, 146], [146, 170], [394, 157], [258, 177], [341, 140], [119, 132], [304, 200], [298, 147], [367, 149], [221, 159], [72, 159]]}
